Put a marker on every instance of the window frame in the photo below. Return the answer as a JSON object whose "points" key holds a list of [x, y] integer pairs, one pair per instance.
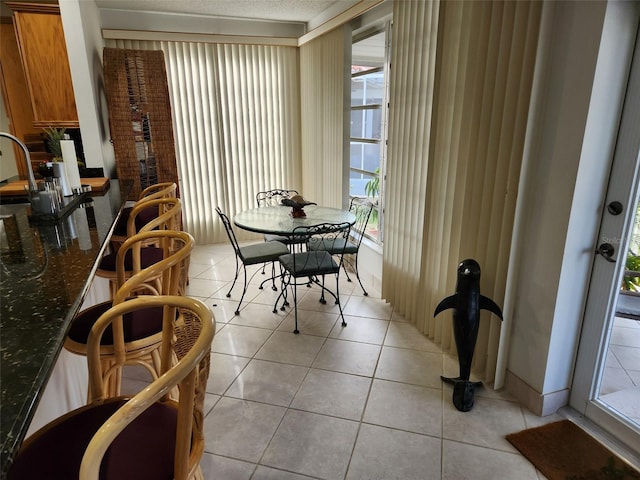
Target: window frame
{"points": [[383, 106]]}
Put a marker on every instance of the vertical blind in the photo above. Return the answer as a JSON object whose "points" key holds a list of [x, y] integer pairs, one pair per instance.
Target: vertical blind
{"points": [[456, 177], [322, 77], [413, 54], [236, 115]]}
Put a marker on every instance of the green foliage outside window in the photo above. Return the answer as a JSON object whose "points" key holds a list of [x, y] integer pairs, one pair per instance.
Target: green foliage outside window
{"points": [[631, 281], [372, 189]]}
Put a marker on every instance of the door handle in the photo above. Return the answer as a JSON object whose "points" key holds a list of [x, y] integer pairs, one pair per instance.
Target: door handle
{"points": [[606, 250]]}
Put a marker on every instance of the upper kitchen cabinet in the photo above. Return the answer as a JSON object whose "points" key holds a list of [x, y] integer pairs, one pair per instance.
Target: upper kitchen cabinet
{"points": [[46, 65]]}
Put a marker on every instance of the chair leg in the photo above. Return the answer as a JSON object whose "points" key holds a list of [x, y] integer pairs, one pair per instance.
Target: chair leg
{"points": [[344, 267], [322, 289], [355, 267], [283, 293], [112, 377], [295, 307], [234, 278], [344, 324], [244, 290], [272, 278]]}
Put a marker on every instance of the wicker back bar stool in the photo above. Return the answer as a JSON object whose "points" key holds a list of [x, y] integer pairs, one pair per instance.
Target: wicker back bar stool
{"points": [[145, 437], [135, 339]]}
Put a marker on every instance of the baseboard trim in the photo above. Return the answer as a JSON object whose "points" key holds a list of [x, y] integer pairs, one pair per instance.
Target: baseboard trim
{"points": [[538, 403]]}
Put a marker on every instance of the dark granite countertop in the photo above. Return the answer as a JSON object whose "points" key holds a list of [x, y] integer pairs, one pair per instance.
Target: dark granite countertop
{"points": [[45, 273]]}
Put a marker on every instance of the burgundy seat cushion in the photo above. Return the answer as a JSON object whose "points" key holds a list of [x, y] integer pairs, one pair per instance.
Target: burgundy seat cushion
{"points": [[148, 256], [143, 217], [121, 225], [139, 324], [144, 450]]}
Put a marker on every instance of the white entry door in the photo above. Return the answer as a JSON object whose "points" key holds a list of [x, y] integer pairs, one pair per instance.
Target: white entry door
{"points": [[610, 339]]}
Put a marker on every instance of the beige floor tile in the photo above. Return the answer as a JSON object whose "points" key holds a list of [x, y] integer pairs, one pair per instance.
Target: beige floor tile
{"points": [[410, 366], [615, 379], [256, 315], [348, 357], [215, 466], [240, 340], [368, 307], [629, 357], [486, 425], [223, 371], [311, 323], [236, 293], [469, 462], [201, 270], [333, 393], [625, 401], [406, 335], [268, 382], [625, 336], [268, 473], [210, 401], [240, 429], [223, 310], [202, 287], [531, 420], [288, 347], [311, 300], [406, 407], [387, 454], [361, 329], [312, 444]]}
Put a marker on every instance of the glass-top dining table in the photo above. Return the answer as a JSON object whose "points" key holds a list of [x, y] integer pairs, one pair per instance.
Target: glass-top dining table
{"points": [[277, 220]]}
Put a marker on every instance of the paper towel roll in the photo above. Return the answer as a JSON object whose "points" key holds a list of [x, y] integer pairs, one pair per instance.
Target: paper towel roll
{"points": [[60, 171], [70, 163]]}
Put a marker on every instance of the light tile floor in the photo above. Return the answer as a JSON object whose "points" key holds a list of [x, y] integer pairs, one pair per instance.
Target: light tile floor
{"points": [[361, 402]]}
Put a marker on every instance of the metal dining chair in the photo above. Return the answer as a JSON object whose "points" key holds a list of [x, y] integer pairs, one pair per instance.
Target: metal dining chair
{"points": [[362, 209], [273, 198], [314, 264], [255, 254]]}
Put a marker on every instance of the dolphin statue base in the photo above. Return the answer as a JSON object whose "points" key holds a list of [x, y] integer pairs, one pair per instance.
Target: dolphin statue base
{"points": [[463, 392]]}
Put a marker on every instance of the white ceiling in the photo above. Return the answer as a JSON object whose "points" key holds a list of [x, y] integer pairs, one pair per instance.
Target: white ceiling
{"points": [[302, 11]]}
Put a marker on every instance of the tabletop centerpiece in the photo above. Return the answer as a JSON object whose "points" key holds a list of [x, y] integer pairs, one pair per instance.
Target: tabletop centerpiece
{"points": [[297, 204]]}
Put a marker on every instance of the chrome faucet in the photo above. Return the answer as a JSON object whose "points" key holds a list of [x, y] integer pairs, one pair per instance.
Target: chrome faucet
{"points": [[27, 158]]}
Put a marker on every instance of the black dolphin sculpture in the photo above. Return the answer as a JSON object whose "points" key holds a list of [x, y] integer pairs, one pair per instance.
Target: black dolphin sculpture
{"points": [[467, 303]]}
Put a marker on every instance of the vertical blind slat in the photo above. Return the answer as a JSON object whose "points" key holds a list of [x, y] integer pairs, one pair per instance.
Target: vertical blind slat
{"points": [[483, 71]]}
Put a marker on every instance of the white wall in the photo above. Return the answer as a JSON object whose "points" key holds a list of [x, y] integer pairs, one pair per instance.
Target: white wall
{"points": [[578, 99], [83, 36]]}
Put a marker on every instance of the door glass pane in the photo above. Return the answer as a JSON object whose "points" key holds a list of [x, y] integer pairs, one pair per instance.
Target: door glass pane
{"points": [[365, 156], [358, 183], [366, 123], [620, 386], [367, 89]]}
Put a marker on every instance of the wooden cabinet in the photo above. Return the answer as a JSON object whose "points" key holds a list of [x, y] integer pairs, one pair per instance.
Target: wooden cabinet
{"points": [[46, 65], [15, 95]]}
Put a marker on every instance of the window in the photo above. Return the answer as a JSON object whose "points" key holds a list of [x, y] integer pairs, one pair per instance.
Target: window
{"points": [[368, 131]]}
